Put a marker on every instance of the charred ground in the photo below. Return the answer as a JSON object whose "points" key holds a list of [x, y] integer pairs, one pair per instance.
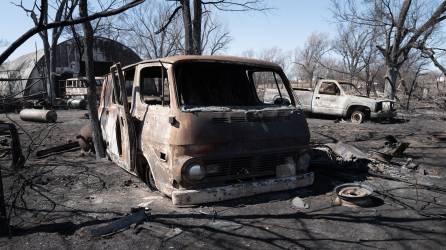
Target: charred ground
{"points": [[56, 200]]}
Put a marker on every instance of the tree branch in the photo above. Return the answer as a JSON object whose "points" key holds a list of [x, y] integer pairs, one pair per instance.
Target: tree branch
{"points": [[64, 23], [171, 17]]}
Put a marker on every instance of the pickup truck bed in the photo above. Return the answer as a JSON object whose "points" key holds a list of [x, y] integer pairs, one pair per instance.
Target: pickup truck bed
{"points": [[305, 96]]}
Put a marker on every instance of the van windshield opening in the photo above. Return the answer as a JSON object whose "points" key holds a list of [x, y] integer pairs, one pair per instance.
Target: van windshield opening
{"points": [[204, 84]]}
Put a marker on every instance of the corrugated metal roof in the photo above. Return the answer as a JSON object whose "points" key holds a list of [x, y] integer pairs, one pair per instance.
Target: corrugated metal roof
{"points": [[20, 67]]}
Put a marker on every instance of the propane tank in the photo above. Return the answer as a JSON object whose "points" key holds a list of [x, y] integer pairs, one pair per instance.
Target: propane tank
{"points": [[38, 115], [77, 103]]}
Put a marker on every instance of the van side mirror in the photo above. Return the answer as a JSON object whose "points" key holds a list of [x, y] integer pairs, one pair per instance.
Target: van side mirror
{"points": [[282, 101]]}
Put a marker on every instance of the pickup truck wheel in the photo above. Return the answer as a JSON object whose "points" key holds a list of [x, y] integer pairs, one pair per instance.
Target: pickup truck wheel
{"points": [[357, 117]]}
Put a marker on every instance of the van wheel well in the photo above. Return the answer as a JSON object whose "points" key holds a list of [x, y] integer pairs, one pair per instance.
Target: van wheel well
{"points": [[362, 109], [144, 172]]}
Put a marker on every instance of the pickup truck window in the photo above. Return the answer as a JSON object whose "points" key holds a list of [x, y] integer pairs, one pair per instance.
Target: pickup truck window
{"points": [[329, 88], [270, 88], [154, 86], [350, 89]]}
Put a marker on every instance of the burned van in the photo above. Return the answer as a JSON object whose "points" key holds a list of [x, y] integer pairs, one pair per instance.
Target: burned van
{"points": [[204, 128]]}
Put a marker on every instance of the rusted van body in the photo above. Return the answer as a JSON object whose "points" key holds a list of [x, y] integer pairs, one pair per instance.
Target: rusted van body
{"points": [[200, 128]]}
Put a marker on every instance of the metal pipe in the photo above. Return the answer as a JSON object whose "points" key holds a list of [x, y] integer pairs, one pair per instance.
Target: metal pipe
{"points": [[38, 115]]}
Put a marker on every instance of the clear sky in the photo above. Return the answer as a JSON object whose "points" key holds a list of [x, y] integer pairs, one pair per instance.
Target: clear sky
{"points": [[286, 26]]}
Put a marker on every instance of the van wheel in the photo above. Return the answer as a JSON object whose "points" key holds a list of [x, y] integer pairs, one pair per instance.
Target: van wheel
{"points": [[144, 173], [357, 117]]}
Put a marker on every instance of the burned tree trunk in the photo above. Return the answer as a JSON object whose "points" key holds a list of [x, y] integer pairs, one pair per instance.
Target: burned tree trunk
{"points": [[89, 72], [188, 28], [390, 82], [198, 13], [3, 219]]}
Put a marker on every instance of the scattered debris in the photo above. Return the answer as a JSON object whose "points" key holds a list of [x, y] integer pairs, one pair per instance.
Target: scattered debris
{"points": [[12, 143], [440, 136], [299, 203], [353, 194], [85, 138], [137, 216], [347, 152], [128, 182], [38, 115], [150, 200], [224, 225], [160, 231]]}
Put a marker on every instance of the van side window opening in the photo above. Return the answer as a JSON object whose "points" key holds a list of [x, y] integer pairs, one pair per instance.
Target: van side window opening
{"points": [[108, 91], [219, 84], [154, 86], [117, 95], [329, 88], [270, 88]]}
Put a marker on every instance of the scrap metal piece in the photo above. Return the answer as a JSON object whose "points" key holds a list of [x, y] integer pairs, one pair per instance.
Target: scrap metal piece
{"points": [[57, 149], [38, 115], [347, 152], [120, 224]]}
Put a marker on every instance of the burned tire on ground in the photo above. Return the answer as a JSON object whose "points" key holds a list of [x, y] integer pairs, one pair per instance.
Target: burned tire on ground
{"points": [[357, 117], [144, 173]]}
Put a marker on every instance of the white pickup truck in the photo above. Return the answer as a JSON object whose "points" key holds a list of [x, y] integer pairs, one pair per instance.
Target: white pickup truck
{"points": [[343, 99]]}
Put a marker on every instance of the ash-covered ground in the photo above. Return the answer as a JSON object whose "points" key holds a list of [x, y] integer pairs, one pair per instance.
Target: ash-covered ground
{"points": [[57, 200]]}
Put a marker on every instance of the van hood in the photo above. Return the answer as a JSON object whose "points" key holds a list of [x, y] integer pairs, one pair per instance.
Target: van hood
{"points": [[241, 131]]}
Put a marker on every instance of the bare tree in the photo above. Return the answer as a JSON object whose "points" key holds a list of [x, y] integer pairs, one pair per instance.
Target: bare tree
{"points": [[373, 65], [401, 25], [138, 30], [89, 72], [215, 37], [415, 67], [192, 16], [351, 44], [275, 55], [433, 54], [309, 57], [50, 25]]}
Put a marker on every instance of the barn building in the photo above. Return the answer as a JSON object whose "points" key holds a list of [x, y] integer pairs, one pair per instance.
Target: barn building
{"points": [[30, 74]]}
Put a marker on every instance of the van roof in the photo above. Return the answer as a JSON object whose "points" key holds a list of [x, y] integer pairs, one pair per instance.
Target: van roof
{"points": [[227, 59]]}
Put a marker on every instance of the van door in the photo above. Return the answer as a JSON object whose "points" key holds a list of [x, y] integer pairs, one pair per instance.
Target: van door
{"points": [[124, 154], [327, 99]]}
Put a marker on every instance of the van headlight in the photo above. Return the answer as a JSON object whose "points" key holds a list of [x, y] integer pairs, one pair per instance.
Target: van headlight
{"points": [[194, 172]]}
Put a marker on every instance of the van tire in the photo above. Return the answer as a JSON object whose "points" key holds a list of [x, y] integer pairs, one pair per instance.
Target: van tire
{"points": [[357, 117], [144, 173]]}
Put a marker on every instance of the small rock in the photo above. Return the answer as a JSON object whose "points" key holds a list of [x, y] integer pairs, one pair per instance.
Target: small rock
{"points": [[299, 203]]}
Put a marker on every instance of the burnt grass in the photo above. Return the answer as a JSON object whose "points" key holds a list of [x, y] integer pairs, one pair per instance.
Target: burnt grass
{"points": [[53, 202]]}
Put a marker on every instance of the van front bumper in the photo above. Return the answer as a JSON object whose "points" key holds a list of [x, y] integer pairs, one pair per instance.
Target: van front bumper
{"points": [[214, 194]]}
